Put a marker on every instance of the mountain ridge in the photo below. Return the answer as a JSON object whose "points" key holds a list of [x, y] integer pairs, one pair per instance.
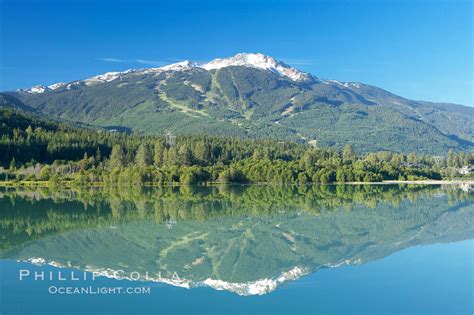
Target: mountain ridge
{"points": [[256, 60], [254, 95]]}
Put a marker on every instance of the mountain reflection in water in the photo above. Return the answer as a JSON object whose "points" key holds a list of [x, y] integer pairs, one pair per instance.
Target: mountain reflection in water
{"points": [[244, 239]]}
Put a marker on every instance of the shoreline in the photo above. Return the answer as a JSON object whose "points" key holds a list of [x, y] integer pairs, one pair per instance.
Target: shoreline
{"points": [[432, 182], [101, 184]]}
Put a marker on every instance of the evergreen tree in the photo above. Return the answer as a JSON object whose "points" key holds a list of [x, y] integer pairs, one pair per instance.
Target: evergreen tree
{"points": [[185, 155], [98, 155], [143, 156], [158, 154], [347, 152], [202, 153], [116, 159]]}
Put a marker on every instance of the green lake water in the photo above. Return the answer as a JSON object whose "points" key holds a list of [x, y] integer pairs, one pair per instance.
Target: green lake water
{"points": [[331, 249]]}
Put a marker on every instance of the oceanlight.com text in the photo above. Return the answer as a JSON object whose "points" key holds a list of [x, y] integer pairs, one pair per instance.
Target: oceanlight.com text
{"points": [[90, 290]]}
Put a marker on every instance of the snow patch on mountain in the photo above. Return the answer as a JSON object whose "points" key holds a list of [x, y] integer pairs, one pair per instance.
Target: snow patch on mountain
{"points": [[259, 61], [179, 66], [106, 77], [258, 287], [37, 89], [356, 85], [254, 60], [56, 85]]}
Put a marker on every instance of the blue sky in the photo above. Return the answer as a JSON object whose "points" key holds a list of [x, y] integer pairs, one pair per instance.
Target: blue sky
{"points": [[417, 49]]}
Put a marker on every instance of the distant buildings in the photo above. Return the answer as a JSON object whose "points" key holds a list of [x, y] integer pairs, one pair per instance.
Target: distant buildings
{"points": [[466, 170]]}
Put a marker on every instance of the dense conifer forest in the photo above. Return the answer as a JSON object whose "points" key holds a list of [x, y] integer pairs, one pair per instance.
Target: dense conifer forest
{"points": [[35, 149]]}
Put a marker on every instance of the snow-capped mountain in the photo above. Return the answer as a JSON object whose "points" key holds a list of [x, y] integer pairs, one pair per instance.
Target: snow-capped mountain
{"points": [[37, 89], [250, 94], [179, 66], [106, 77], [56, 85], [259, 61], [253, 60]]}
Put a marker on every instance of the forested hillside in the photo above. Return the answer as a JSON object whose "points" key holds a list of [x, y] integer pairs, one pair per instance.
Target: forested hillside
{"points": [[247, 101], [36, 149]]}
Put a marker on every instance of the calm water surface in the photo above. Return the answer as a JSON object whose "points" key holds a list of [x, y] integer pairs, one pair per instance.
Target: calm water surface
{"points": [[364, 249]]}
